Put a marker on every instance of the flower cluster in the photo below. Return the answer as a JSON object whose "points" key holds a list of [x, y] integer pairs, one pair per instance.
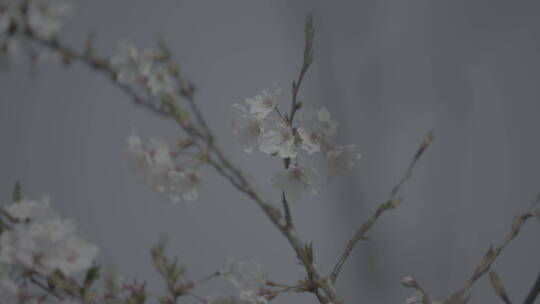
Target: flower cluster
{"points": [[260, 126], [43, 18], [37, 241], [248, 278], [41, 241], [156, 164], [132, 65]]}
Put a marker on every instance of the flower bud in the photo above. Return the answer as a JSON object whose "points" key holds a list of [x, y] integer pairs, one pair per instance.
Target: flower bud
{"points": [[409, 281]]}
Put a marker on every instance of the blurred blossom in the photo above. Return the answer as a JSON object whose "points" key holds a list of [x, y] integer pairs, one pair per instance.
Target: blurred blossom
{"points": [[45, 16], [342, 159], [41, 241], [154, 162], [130, 65], [246, 128], [296, 181], [315, 127], [261, 105], [279, 140]]}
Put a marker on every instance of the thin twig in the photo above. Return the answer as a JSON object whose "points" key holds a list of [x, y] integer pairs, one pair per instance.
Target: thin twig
{"points": [[535, 291], [309, 33], [492, 254], [45, 288], [392, 202], [206, 278], [287, 211]]}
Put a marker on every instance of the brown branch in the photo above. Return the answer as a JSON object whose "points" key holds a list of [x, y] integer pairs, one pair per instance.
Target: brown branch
{"points": [[217, 159], [49, 290], [535, 291], [492, 254], [391, 202], [309, 33]]}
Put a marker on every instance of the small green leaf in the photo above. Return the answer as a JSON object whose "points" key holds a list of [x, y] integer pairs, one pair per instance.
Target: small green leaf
{"points": [[17, 192], [392, 204], [497, 284], [92, 275], [308, 251]]}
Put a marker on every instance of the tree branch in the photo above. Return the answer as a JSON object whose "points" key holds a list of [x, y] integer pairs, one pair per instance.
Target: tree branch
{"points": [[217, 159], [492, 254], [535, 291], [391, 202]]}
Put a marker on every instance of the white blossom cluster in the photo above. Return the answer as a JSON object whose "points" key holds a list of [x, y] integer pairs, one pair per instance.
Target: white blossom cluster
{"points": [[42, 17], [39, 241], [248, 278], [155, 162], [132, 65], [260, 126]]}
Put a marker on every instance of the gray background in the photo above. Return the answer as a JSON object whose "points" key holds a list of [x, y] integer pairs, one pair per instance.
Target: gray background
{"points": [[387, 70]]}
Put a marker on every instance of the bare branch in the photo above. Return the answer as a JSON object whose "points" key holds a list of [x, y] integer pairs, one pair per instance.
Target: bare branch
{"points": [[309, 33], [492, 253], [535, 291], [391, 202]]}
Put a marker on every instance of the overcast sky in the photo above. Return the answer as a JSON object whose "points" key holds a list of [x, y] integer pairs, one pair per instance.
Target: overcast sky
{"points": [[388, 71]]}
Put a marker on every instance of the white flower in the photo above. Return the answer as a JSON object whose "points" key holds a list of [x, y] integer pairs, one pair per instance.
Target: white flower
{"points": [[262, 104], [295, 181], [184, 185], [278, 141], [160, 81], [28, 209], [154, 162], [73, 254], [130, 65], [246, 128], [248, 277], [315, 128], [342, 159], [44, 16], [42, 241]]}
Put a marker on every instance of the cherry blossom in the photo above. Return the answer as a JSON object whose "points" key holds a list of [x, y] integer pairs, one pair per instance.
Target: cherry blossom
{"points": [[155, 163], [44, 16], [342, 159], [279, 140], [130, 65], [249, 279], [246, 128], [41, 241], [261, 105], [184, 184], [296, 181], [160, 81], [315, 128]]}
